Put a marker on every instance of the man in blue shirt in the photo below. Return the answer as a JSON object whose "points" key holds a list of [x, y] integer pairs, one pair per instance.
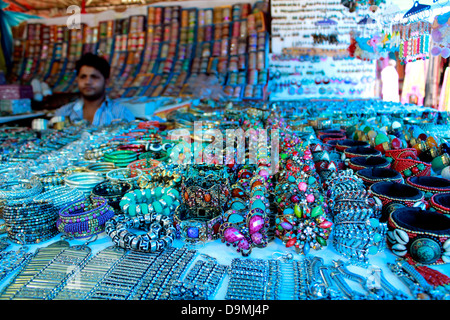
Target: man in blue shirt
{"points": [[94, 106]]}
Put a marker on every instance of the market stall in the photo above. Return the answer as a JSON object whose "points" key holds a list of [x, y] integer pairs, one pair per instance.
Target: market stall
{"points": [[265, 161]]}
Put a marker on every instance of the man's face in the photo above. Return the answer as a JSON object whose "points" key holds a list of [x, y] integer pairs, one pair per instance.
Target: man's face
{"points": [[91, 83]]}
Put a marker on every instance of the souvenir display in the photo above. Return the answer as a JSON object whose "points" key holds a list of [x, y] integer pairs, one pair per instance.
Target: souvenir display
{"points": [[262, 161]]}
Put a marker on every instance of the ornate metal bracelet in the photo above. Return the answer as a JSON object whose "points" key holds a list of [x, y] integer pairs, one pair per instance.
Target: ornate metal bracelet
{"points": [[193, 230]]}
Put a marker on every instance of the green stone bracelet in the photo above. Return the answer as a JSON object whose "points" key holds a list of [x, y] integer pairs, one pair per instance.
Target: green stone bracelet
{"points": [[142, 201]]}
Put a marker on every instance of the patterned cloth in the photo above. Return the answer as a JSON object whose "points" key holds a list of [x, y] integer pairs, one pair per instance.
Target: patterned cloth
{"points": [[108, 112]]}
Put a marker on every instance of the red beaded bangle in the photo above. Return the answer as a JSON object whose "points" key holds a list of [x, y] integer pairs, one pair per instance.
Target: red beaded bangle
{"points": [[429, 185], [441, 203], [394, 195], [420, 235]]}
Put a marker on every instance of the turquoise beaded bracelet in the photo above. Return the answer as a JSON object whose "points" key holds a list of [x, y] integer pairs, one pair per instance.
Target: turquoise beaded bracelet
{"points": [[142, 201]]}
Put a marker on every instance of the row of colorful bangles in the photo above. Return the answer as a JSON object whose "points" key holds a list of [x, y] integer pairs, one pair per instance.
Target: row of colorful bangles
{"points": [[365, 181]]}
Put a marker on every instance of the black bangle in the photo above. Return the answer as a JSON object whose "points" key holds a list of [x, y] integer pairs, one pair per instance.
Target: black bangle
{"points": [[359, 151], [342, 145], [358, 163], [374, 175], [429, 185], [394, 195]]}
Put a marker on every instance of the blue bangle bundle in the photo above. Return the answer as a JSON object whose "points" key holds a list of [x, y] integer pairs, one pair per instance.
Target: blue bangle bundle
{"points": [[29, 220], [61, 196], [84, 217]]}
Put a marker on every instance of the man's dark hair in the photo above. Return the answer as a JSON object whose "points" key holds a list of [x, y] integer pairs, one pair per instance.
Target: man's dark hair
{"points": [[95, 61]]}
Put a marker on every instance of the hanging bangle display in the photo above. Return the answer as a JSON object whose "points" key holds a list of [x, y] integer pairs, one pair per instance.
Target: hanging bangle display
{"points": [[394, 195], [160, 232], [419, 234], [374, 175]]}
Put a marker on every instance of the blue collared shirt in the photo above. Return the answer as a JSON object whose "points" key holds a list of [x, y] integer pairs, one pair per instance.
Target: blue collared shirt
{"points": [[108, 112]]}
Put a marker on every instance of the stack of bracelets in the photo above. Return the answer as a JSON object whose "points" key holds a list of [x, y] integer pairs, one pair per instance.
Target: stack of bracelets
{"points": [[142, 201], [84, 217], [120, 158], [96, 153], [50, 180], [112, 192], [20, 189], [84, 181], [101, 167], [61, 196], [127, 175], [34, 221]]}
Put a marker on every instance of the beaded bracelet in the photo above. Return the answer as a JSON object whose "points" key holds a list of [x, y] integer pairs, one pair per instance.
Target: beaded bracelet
{"points": [[440, 202], [50, 179], [161, 156], [85, 217], [394, 195], [36, 220], [421, 235], [374, 175], [143, 201], [61, 196], [429, 185], [97, 153], [138, 148], [145, 165], [405, 161], [27, 188], [160, 232], [358, 163]]}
